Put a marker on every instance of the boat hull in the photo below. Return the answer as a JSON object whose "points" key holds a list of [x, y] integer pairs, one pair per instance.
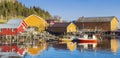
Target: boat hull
{"points": [[65, 40], [87, 41]]}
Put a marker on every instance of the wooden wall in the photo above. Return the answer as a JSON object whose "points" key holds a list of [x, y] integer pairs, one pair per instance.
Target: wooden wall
{"points": [[36, 21], [105, 26], [71, 28], [114, 24]]}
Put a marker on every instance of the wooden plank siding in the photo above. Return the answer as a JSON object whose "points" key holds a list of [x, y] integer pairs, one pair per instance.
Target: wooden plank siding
{"points": [[12, 31], [36, 21], [105, 26], [62, 28], [114, 24], [98, 23], [71, 27], [13, 27]]}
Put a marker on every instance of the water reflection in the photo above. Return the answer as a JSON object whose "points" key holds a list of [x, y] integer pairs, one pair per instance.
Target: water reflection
{"points": [[108, 47], [109, 44], [71, 46], [36, 49], [114, 45], [87, 46]]}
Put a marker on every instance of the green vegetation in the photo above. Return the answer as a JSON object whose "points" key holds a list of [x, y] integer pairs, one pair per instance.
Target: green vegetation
{"points": [[3, 21], [15, 9]]}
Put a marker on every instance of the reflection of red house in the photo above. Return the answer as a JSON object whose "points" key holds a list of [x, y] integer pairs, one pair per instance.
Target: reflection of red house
{"points": [[6, 48], [13, 27]]}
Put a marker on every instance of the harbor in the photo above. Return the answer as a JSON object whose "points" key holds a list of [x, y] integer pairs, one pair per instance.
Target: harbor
{"points": [[59, 29], [22, 37]]}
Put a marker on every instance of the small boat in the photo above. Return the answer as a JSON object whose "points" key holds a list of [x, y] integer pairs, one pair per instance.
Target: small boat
{"points": [[87, 39], [65, 40]]}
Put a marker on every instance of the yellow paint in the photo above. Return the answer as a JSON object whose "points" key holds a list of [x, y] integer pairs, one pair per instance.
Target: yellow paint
{"points": [[36, 50], [36, 21], [33, 51], [71, 46], [66, 40], [114, 24], [114, 45], [71, 28]]}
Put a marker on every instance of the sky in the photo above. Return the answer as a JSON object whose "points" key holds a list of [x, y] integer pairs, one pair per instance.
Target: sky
{"points": [[73, 9]]}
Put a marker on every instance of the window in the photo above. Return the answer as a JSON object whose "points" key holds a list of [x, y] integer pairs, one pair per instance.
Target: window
{"points": [[90, 36], [12, 30]]}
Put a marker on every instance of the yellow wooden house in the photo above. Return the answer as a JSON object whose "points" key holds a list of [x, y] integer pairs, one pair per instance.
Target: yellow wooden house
{"points": [[36, 21], [62, 27]]}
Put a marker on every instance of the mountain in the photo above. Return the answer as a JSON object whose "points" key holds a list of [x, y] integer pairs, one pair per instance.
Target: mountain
{"points": [[13, 8]]}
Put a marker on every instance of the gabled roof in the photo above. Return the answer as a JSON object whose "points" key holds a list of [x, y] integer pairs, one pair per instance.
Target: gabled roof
{"points": [[14, 21], [60, 24], [9, 25], [96, 19], [35, 16]]}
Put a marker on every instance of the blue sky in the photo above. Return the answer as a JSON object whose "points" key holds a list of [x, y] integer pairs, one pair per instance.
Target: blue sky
{"points": [[73, 9]]}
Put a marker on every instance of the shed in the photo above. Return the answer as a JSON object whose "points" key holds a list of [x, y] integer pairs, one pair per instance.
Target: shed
{"points": [[107, 23], [62, 27], [13, 27]]}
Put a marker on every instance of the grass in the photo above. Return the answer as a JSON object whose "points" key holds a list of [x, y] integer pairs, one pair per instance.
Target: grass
{"points": [[3, 21]]}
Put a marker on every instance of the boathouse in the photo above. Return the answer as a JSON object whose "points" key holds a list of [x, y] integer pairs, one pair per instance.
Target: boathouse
{"points": [[36, 21], [13, 27], [62, 27], [109, 23]]}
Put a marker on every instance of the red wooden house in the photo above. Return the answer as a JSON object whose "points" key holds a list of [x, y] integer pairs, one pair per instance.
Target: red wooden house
{"points": [[13, 27]]}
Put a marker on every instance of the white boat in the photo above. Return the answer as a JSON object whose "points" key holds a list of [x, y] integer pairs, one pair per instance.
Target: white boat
{"points": [[87, 38]]}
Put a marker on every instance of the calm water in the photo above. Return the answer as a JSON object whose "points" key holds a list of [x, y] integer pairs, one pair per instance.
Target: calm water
{"points": [[108, 47]]}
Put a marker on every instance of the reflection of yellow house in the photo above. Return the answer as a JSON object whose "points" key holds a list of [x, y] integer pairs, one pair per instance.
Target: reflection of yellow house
{"points": [[114, 45], [71, 46], [36, 21], [36, 50]]}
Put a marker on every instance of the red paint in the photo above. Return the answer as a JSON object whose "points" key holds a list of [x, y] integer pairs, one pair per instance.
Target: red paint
{"points": [[8, 48], [21, 51], [15, 31], [24, 24], [87, 41]]}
